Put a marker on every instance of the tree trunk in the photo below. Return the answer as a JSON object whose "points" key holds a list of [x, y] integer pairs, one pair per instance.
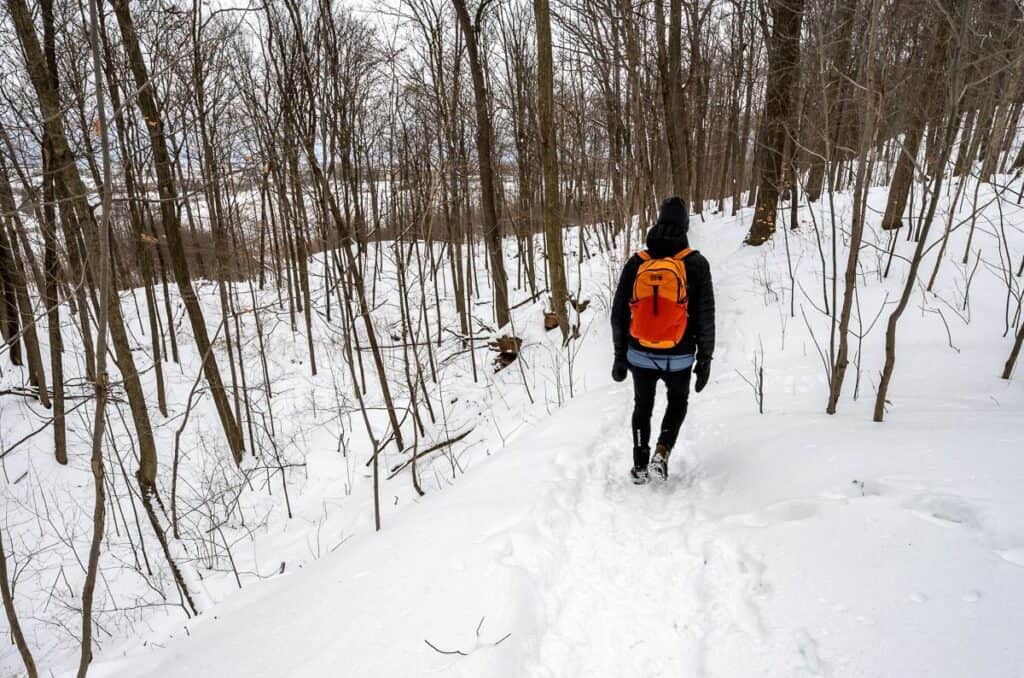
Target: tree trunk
{"points": [[51, 266], [869, 126], [168, 201], [1019, 162], [67, 173], [922, 108], [549, 158], [11, 327], [955, 95], [784, 60], [484, 141], [16, 274], [12, 614], [669, 66], [824, 143], [1014, 353], [903, 178], [101, 383]]}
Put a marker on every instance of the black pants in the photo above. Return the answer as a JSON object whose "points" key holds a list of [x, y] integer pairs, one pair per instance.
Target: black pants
{"points": [[645, 383]]}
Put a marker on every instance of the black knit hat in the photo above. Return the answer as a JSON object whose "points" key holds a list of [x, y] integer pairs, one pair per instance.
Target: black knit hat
{"points": [[674, 215], [668, 236]]}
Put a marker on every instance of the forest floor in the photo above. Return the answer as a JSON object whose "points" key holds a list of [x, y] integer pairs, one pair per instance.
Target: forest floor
{"points": [[788, 543]]}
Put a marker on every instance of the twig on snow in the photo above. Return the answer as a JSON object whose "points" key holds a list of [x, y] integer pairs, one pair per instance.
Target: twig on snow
{"points": [[460, 653]]}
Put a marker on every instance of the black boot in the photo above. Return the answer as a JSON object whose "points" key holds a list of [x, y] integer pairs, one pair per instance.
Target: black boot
{"points": [[641, 455]]}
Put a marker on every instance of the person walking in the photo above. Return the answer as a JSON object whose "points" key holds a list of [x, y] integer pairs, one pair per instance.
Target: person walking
{"points": [[663, 329]]}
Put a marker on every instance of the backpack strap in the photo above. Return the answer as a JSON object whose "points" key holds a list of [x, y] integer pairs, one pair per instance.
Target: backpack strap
{"points": [[680, 255]]}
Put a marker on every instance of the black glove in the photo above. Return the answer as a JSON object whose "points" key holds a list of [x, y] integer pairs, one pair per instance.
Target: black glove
{"points": [[703, 372], [619, 369]]}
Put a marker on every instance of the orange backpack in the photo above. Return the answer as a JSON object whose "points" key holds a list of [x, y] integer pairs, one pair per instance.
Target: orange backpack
{"points": [[659, 300]]}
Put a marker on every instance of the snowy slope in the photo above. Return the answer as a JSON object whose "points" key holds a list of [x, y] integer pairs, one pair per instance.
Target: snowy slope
{"points": [[785, 544]]}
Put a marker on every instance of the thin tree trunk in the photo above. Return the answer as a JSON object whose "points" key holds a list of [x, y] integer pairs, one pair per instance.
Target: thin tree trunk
{"points": [[168, 199], [868, 131], [1014, 353], [51, 266], [484, 141], [101, 383], [12, 614], [548, 150], [17, 277], [915, 265]]}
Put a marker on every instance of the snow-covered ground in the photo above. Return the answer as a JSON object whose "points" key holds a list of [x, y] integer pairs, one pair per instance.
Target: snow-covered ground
{"points": [[789, 543]]}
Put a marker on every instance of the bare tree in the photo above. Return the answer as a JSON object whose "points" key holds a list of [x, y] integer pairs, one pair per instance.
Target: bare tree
{"points": [[471, 28], [168, 197], [552, 218], [784, 59], [12, 614]]}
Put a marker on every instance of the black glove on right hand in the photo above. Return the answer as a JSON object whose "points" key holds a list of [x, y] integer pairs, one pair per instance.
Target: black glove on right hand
{"points": [[620, 368], [703, 372]]}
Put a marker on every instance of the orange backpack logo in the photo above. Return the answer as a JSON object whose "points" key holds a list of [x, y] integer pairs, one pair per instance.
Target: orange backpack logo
{"points": [[659, 301]]}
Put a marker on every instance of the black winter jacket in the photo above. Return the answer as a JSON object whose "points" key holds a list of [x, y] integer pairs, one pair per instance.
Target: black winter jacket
{"points": [[700, 328]]}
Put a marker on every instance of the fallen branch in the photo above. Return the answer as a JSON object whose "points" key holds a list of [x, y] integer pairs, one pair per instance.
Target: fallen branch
{"points": [[528, 300], [33, 393], [435, 648], [4, 453], [433, 448]]}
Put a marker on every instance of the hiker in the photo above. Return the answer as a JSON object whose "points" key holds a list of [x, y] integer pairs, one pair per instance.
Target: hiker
{"points": [[663, 328]]}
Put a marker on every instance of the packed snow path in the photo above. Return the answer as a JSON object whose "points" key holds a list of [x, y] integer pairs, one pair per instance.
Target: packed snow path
{"points": [[642, 588]]}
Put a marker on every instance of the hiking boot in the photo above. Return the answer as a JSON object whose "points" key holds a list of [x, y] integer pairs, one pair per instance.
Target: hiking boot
{"points": [[638, 474], [659, 463]]}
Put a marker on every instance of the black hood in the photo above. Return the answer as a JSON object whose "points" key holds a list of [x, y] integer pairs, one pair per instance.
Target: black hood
{"points": [[668, 236]]}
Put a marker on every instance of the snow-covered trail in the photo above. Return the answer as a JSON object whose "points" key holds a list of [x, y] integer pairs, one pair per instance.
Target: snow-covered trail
{"points": [[591, 575], [786, 544], [548, 541], [642, 586]]}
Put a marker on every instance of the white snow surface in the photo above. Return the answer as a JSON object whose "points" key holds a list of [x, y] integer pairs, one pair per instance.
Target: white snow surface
{"points": [[789, 543]]}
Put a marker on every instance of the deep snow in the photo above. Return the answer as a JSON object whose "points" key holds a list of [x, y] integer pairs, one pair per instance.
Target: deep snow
{"points": [[785, 544]]}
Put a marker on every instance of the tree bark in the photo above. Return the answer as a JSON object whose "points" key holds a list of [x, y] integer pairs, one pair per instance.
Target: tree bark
{"points": [[1014, 353], [51, 266], [669, 67], [10, 326], [485, 153], [784, 60], [549, 159], [922, 108], [903, 177], [1019, 161], [827, 136], [17, 276]]}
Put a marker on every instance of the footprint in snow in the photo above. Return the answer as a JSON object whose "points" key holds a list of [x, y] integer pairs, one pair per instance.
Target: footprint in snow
{"points": [[807, 646], [776, 514], [945, 510], [1014, 556]]}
